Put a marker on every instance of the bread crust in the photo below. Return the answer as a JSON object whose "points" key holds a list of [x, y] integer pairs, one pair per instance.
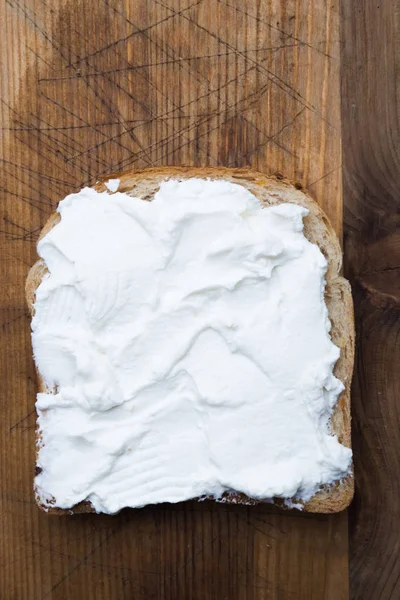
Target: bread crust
{"points": [[269, 190]]}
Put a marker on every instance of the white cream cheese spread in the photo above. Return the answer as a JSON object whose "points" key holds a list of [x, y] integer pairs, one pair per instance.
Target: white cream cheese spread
{"points": [[186, 345], [112, 184]]}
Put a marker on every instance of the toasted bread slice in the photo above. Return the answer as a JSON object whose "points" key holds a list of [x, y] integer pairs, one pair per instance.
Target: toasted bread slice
{"points": [[318, 230]]}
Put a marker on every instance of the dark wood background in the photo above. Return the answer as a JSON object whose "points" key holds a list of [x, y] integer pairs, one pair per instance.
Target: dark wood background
{"points": [[371, 167], [90, 87]]}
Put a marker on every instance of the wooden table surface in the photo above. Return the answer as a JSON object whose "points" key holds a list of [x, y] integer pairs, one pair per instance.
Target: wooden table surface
{"points": [[92, 87], [371, 159]]}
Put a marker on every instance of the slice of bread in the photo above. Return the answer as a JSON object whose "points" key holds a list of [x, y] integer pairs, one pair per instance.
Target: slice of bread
{"points": [[317, 228]]}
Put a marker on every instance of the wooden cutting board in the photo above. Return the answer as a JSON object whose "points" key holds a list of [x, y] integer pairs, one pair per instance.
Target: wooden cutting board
{"points": [[98, 86]]}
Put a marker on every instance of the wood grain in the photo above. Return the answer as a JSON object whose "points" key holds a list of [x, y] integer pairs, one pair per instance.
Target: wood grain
{"points": [[371, 142], [93, 87]]}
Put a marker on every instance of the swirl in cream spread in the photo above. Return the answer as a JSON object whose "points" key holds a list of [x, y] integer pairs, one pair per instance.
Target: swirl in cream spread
{"points": [[185, 345]]}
